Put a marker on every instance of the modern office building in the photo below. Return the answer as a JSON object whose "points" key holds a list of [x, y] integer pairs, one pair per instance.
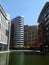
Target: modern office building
{"points": [[18, 31], [43, 20], [4, 33], [30, 35]]}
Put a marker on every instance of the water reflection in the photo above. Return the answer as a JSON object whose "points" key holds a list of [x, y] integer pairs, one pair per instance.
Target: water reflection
{"points": [[16, 58], [28, 58], [23, 58], [4, 58]]}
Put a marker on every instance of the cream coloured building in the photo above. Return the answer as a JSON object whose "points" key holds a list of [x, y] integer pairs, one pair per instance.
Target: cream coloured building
{"points": [[4, 30]]}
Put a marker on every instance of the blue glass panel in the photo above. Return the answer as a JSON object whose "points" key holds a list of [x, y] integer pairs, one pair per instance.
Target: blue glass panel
{"points": [[48, 11]]}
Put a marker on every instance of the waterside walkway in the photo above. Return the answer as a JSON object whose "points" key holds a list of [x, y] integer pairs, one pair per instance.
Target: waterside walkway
{"points": [[33, 51], [18, 51]]}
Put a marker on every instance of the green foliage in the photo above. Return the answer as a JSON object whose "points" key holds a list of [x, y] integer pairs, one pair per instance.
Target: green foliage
{"points": [[27, 46]]}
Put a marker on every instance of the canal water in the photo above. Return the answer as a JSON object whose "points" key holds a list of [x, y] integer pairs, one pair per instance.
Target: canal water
{"points": [[23, 58]]}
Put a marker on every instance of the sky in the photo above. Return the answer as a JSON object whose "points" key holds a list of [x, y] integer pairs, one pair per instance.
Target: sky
{"points": [[30, 9]]}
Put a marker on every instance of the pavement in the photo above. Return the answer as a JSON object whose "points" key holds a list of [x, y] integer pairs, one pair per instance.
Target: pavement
{"points": [[5, 51], [20, 51]]}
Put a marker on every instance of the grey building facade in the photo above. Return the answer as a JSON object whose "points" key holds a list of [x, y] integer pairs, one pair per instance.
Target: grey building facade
{"points": [[43, 21], [18, 31]]}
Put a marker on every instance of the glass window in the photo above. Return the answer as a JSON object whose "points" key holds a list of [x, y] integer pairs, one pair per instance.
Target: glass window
{"points": [[45, 14], [47, 33], [47, 22], [47, 28], [45, 19], [48, 16], [7, 32], [48, 11]]}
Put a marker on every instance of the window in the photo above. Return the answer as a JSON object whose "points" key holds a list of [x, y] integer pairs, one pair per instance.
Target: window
{"points": [[47, 33], [48, 16], [45, 19], [48, 11], [47, 28], [45, 15], [47, 22], [7, 33]]}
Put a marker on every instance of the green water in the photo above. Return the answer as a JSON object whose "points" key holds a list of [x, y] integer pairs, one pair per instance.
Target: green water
{"points": [[22, 58]]}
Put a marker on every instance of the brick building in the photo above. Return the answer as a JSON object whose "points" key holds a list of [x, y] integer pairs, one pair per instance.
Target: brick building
{"points": [[30, 35]]}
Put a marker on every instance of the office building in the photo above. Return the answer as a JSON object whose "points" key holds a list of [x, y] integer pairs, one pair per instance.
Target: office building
{"points": [[43, 31], [4, 33], [18, 31], [30, 36]]}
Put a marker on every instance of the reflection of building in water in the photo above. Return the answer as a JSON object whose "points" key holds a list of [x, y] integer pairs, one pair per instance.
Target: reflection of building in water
{"points": [[4, 59], [21, 58], [16, 58], [4, 31]]}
